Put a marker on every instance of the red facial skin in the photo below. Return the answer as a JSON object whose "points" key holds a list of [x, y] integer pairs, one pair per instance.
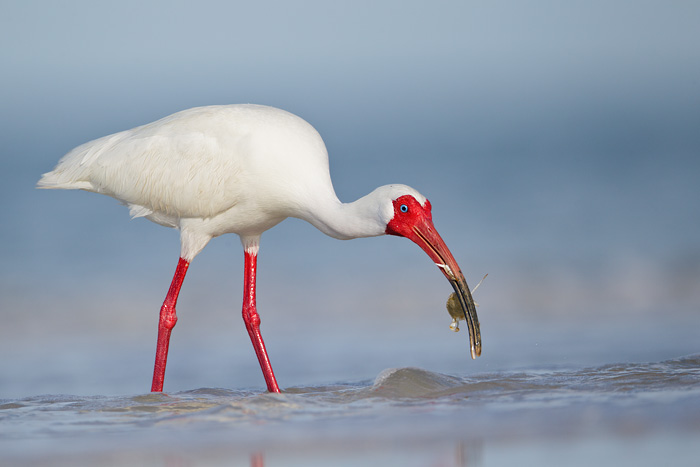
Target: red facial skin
{"points": [[402, 222]]}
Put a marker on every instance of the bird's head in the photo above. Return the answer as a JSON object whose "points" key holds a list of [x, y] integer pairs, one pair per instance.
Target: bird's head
{"points": [[411, 217]]}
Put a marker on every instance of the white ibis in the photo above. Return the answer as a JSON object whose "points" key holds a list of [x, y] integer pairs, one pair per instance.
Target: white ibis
{"points": [[243, 169]]}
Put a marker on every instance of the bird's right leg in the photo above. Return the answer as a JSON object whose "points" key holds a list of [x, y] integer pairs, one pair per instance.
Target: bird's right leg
{"points": [[167, 321], [252, 318]]}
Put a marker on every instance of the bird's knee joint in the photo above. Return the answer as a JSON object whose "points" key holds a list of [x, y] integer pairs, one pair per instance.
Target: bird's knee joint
{"points": [[168, 318], [251, 317]]}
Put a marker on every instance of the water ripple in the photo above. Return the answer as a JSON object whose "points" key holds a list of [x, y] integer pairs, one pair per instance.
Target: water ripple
{"points": [[617, 398]]}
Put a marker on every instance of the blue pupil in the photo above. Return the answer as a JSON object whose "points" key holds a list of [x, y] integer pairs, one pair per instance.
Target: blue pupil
{"points": [[404, 208]]}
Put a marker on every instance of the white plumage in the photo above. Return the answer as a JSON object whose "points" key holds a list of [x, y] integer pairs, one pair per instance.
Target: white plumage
{"points": [[241, 169], [221, 169]]}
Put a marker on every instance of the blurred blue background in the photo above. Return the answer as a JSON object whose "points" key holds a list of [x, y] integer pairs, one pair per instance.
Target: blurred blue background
{"points": [[559, 144]]}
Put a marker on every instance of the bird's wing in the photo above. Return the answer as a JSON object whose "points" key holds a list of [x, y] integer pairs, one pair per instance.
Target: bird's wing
{"points": [[183, 173]]}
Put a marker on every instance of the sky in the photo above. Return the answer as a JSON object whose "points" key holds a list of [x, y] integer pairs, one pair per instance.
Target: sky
{"points": [[557, 142]]}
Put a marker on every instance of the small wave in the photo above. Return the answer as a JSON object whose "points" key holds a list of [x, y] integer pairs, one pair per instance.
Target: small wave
{"points": [[412, 382], [681, 373]]}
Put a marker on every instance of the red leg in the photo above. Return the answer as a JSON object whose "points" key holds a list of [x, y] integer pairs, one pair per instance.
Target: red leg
{"points": [[252, 320], [167, 321]]}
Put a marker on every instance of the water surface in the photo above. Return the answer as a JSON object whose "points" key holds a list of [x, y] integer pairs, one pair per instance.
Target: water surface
{"points": [[617, 414]]}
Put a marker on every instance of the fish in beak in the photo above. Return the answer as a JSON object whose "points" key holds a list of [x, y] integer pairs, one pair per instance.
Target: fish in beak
{"points": [[414, 221]]}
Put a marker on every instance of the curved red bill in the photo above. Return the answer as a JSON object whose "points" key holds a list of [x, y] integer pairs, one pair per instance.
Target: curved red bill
{"points": [[414, 222]]}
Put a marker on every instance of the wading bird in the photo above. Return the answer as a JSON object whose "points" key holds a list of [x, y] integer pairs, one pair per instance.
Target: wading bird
{"points": [[243, 169]]}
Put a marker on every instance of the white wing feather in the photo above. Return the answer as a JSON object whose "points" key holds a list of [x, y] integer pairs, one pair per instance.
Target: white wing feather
{"points": [[170, 166]]}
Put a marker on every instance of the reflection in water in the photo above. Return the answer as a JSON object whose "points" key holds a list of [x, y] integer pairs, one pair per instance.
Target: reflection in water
{"points": [[256, 460]]}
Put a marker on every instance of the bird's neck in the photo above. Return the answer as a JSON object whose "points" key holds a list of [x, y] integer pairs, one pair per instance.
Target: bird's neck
{"points": [[361, 218]]}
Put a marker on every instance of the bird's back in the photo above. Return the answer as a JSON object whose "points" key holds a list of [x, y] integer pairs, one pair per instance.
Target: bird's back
{"points": [[201, 162]]}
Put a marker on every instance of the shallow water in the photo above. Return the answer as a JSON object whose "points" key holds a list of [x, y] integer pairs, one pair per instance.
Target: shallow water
{"points": [[622, 414]]}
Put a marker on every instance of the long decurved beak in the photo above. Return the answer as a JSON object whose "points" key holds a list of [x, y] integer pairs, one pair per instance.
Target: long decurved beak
{"points": [[430, 241]]}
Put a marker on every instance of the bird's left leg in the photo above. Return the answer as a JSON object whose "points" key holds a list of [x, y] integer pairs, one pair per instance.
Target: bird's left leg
{"points": [[166, 323], [252, 319]]}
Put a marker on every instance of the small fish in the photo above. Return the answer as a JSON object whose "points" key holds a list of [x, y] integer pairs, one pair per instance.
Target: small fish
{"points": [[455, 311]]}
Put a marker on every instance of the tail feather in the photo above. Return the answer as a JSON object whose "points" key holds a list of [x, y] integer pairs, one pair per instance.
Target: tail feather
{"points": [[56, 181], [73, 171]]}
